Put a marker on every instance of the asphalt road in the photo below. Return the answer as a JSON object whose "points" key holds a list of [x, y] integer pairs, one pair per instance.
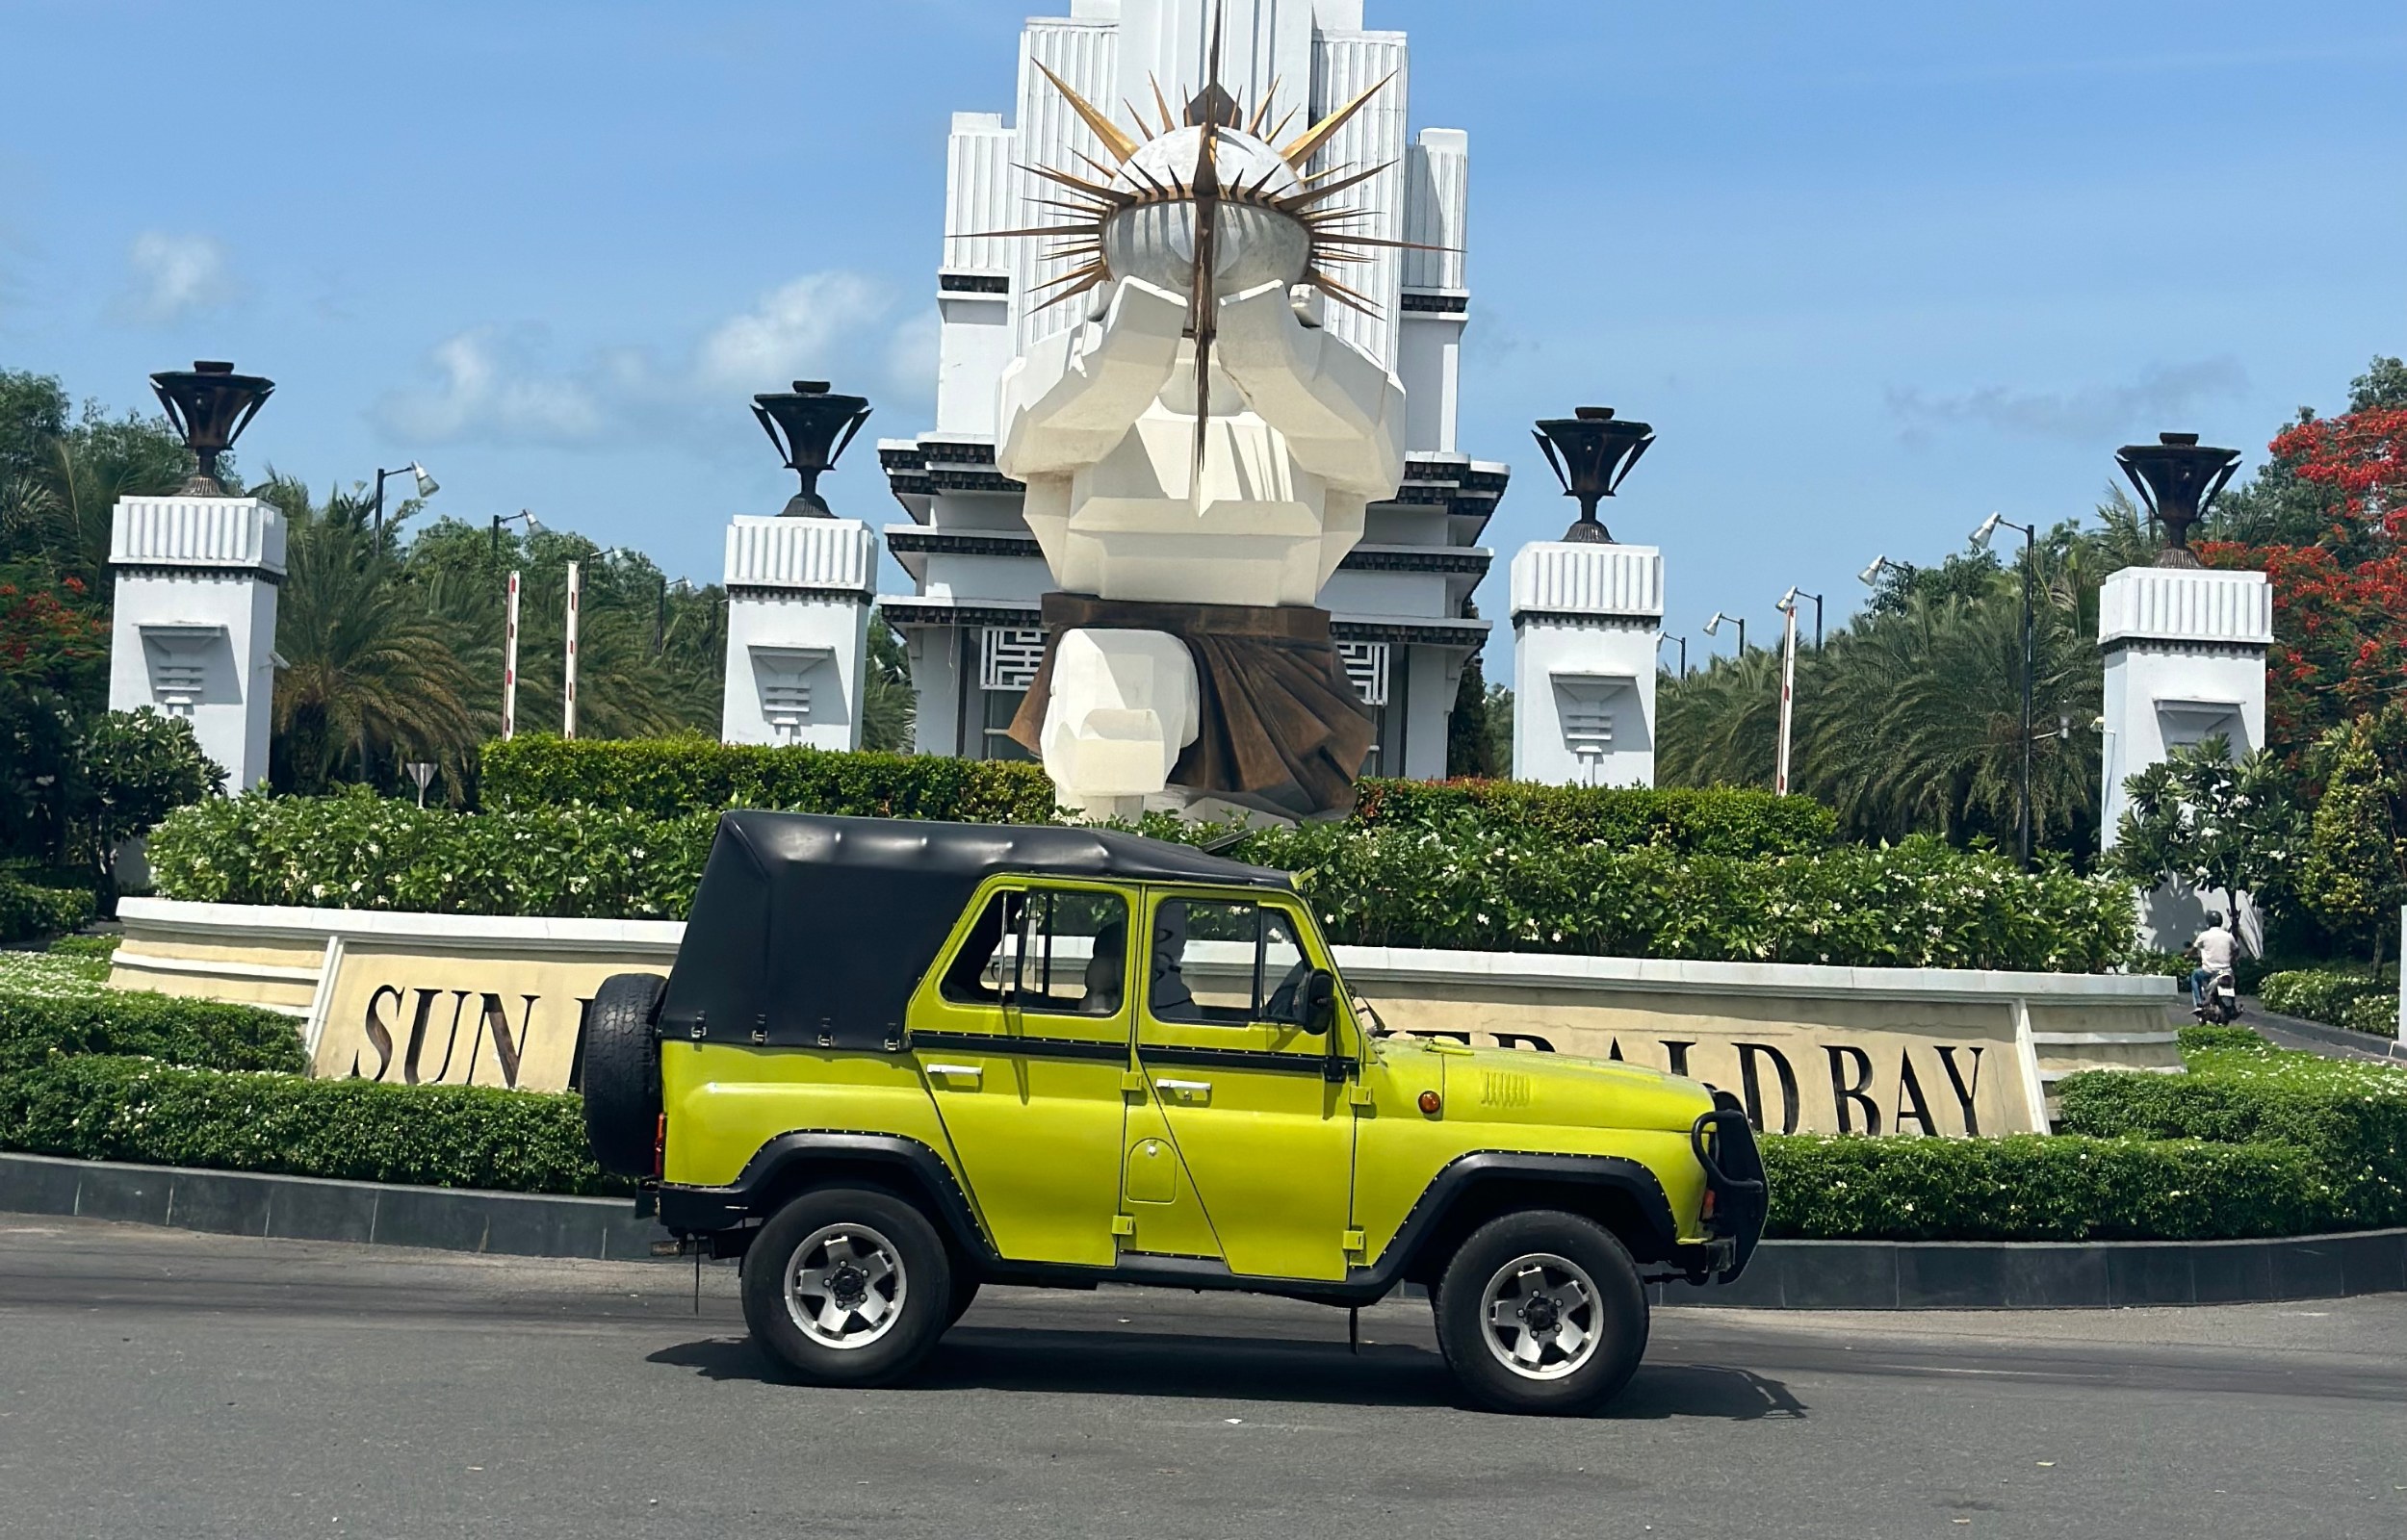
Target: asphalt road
{"points": [[154, 1382]]}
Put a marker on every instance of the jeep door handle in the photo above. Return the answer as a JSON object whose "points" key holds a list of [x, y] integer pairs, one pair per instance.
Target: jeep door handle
{"points": [[972, 1072], [1189, 1087]]}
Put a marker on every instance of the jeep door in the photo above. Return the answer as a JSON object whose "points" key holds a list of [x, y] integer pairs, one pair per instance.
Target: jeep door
{"points": [[1023, 1035], [1260, 1122]]}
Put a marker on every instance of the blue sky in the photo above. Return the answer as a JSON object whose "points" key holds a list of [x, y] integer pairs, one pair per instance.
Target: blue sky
{"points": [[1871, 270]]}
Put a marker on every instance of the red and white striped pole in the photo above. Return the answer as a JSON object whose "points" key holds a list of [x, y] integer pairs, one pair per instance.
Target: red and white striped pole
{"points": [[509, 666], [568, 692], [1788, 696]]}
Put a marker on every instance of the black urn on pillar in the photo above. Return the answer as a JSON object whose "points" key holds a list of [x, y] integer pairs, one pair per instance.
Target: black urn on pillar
{"points": [[810, 428], [2178, 478], [1591, 451], [210, 406]]}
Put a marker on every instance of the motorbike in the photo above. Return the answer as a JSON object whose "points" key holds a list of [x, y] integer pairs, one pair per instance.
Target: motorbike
{"points": [[2222, 1005]]}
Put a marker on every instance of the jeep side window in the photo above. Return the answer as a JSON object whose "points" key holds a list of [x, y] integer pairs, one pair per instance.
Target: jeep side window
{"points": [[1056, 950], [1223, 964]]}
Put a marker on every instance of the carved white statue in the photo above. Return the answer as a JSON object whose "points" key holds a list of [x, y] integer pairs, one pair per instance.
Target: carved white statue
{"points": [[1198, 455]]}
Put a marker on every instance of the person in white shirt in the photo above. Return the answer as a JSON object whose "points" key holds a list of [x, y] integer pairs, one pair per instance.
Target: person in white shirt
{"points": [[2215, 949]]}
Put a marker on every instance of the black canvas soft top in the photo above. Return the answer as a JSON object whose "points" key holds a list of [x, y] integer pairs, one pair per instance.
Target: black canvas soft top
{"points": [[810, 931]]}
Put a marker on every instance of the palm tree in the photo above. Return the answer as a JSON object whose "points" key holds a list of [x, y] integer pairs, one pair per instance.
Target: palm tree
{"points": [[369, 679]]}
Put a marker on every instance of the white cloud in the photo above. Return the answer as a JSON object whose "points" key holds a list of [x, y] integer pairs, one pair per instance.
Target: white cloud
{"points": [[173, 276], [484, 390], [2160, 394], [837, 325], [799, 327]]}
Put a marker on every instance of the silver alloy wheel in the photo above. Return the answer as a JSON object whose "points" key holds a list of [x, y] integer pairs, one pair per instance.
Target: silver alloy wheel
{"points": [[1538, 1315], [845, 1286]]}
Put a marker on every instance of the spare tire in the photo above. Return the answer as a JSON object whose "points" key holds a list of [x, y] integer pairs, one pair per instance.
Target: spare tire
{"points": [[622, 1073]]}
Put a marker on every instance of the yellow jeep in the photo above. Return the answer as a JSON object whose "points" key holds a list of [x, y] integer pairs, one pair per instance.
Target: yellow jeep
{"points": [[897, 1060]]}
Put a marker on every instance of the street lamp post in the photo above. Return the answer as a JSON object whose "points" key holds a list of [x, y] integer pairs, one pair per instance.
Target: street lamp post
{"points": [[421, 772], [1787, 689], [1591, 452], [500, 518], [1793, 595], [2030, 569], [427, 486], [1662, 637], [1872, 575], [1713, 628]]}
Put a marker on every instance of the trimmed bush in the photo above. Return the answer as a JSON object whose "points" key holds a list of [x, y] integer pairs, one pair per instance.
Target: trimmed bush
{"points": [[200, 1034], [1468, 884], [676, 777], [29, 912], [2040, 1187], [2350, 1116], [361, 850], [2335, 997], [113, 1109], [1918, 904], [1719, 821]]}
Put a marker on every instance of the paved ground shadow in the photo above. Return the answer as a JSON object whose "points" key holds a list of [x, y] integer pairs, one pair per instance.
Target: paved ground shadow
{"points": [[1242, 1368]]}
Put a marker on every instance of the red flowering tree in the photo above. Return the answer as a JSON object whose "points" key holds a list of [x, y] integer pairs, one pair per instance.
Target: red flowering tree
{"points": [[2325, 518]]}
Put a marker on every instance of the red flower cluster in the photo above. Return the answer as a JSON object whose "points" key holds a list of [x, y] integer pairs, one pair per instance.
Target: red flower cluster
{"points": [[41, 634]]}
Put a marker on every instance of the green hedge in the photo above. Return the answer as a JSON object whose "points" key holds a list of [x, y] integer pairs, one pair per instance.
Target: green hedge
{"points": [[2040, 1187], [1918, 904], [1471, 884], [112, 1109], [672, 778], [1716, 821], [357, 849], [202, 1034], [2350, 1117], [2335, 997], [29, 912]]}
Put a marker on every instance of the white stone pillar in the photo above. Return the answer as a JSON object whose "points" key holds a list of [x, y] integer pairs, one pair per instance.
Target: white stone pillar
{"points": [[2184, 660], [798, 593], [193, 631], [1584, 622]]}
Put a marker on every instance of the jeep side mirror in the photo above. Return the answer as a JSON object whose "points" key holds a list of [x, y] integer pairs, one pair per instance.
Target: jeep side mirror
{"points": [[1317, 1001]]}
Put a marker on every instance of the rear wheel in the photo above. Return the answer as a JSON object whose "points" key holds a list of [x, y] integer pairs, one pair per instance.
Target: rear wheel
{"points": [[621, 1073], [848, 1286], [1541, 1312]]}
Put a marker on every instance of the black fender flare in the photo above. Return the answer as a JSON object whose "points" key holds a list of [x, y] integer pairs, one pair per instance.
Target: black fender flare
{"points": [[1460, 1177], [764, 1178]]}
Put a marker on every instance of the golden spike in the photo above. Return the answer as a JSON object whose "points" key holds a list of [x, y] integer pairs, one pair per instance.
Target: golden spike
{"points": [[1090, 285], [1114, 139], [1089, 269], [1279, 127], [1108, 171], [1137, 118], [1078, 184], [1034, 229], [1261, 110], [1169, 124], [1340, 293], [1301, 149], [1379, 241], [1298, 202]]}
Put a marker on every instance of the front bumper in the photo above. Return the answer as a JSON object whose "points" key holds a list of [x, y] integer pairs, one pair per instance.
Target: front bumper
{"points": [[1739, 1195]]}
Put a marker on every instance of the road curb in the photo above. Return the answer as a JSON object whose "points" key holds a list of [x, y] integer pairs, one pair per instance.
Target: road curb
{"points": [[2055, 1275], [1784, 1275], [308, 1208]]}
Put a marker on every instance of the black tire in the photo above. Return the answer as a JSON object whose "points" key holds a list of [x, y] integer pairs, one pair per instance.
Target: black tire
{"points": [[621, 1078], [895, 1255], [1521, 1254], [965, 1294]]}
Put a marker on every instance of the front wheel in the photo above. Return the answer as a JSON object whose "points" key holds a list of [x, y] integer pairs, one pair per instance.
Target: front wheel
{"points": [[848, 1286], [1541, 1312]]}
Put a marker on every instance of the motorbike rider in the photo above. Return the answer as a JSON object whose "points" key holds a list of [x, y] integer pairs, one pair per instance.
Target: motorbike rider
{"points": [[2216, 950]]}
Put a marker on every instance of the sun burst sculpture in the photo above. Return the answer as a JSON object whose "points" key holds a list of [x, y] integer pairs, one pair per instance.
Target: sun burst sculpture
{"points": [[1204, 205]]}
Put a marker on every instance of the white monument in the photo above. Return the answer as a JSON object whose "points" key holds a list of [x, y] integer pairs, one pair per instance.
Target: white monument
{"points": [[1399, 595], [1585, 621], [799, 588], [192, 629], [798, 594], [2184, 661]]}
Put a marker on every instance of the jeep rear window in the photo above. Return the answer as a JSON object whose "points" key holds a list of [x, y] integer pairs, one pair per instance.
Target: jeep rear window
{"points": [[1057, 950]]}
